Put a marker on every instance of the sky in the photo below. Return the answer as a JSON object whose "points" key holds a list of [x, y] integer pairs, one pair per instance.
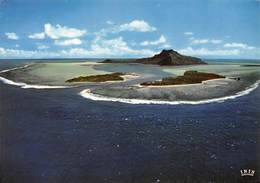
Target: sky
{"points": [[129, 28]]}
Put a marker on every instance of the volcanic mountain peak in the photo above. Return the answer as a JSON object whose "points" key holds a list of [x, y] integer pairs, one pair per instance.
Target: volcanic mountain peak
{"points": [[165, 57]]}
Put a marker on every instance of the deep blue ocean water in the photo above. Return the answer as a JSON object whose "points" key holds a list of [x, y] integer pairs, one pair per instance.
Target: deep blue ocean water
{"points": [[56, 136]]}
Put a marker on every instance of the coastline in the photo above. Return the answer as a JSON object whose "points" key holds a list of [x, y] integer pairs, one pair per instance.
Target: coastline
{"points": [[27, 86], [24, 85], [126, 77], [96, 97], [206, 92]]}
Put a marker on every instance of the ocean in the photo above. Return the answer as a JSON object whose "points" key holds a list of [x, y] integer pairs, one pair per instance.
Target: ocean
{"points": [[57, 136]]}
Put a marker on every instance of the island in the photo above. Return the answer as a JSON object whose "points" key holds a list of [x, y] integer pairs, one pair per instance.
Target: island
{"points": [[164, 58], [189, 77], [117, 76], [140, 83]]}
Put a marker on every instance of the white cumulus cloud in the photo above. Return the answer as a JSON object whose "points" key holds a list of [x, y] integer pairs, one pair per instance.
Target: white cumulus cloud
{"points": [[109, 22], [209, 52], [40, 35], [133, 26], [42, 47], [136, 25], [100, 47], [199, 41], [116, 47], [216, 41], [238, 45], [106, 48], [68, 42], [12, 52], [58, 31], [205, 41], [12, 35], [160, 40]]}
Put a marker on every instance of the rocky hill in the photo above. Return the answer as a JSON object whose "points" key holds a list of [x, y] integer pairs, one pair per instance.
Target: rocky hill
{"points": [[166, 57]]}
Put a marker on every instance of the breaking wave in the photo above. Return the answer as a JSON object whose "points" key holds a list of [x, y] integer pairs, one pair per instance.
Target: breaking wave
{"points": [[16, 68], [24, 85], [87, 94]]}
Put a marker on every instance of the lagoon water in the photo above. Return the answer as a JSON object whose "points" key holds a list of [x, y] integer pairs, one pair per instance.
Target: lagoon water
{"points": [[56, 136]]}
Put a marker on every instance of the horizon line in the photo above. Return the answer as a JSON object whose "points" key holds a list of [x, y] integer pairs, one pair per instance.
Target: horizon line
{"points": [[70, 58]]}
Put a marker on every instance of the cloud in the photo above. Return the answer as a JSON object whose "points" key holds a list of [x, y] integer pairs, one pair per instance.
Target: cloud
{"points": [[115, 47], [40, 35], [99, 50], [160, 40], [207, 52], [109, 22], [12, 35], [42, 47], [68, 42], [205, 41], [238, 45], [58, 32], [199, 41], [102, 48], [188, 33], [133, 26], [107, 48], [17, 53], [165, 46], [137, 25], [216, 41]]}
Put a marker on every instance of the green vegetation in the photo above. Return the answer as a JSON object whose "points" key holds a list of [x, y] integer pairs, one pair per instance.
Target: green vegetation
{"points": [[251, 65], [98, 78], [189, 77]]}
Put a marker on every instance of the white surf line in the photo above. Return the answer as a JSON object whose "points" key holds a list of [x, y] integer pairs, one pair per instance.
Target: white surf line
{"points": [[87, 94], [24, 85], [15, 68]]}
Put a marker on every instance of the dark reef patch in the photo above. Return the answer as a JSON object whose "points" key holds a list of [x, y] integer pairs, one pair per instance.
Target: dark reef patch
{"points": [[189, 77]]}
